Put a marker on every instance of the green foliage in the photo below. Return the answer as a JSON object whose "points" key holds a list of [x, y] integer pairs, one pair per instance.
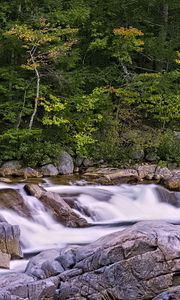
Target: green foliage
{"points": [[125, 42], [169, 149], [157, 95], [109, 146], [29, 146], [108, 74]]}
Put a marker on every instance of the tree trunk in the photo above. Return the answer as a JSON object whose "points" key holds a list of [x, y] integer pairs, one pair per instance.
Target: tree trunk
{"points": [[37, 91]]}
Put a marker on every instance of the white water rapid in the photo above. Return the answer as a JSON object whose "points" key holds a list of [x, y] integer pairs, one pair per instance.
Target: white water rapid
{"points": [[104, 206]]}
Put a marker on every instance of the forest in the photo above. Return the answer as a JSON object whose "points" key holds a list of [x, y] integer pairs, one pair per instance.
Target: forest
{"points": [[99, 78]]}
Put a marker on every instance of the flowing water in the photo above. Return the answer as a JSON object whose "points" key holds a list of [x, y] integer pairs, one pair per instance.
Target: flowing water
{"points": [[105, 207]]}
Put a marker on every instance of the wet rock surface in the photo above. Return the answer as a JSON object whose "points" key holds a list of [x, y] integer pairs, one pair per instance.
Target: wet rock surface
{"points": [[11, 199], [60, 209], [167, 196]]}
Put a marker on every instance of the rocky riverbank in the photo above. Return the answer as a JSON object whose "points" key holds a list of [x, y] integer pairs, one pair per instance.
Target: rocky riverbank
{"points": [[139, 263], [170, 178]]}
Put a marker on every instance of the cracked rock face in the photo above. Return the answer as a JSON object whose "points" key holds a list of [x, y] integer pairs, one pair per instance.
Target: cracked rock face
{"points": [[139, 263], [135, 264]]}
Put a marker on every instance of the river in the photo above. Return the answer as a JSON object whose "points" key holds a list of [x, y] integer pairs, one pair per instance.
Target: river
{"points": [[107, 208]]}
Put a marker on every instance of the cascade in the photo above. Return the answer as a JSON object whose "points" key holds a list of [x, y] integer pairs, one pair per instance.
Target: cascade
{"points": [[106, 205]]}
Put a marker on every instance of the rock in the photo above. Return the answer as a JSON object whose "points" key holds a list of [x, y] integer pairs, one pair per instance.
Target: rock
{"points": [[124, 173], [11, 168], [5, 180], [176, 172], [113, 175], [49, 170], [11, 199], [9, 243], [23, 286], [168, 197], [141, 262], [162, 173], [65, 164], [88, 162], [173, 183], [137, 154], [62, 211], [5, 260], [13, 164], [146, 171], [31, 173], [2, 219], [15, 169], [34, 190], [135, 264], [59, 208], [44, 265], [170, 294], [78, 161]]}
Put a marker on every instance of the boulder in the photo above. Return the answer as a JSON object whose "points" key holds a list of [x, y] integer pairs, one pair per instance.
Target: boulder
{"points": [[34, 190], [170, 294], [173, 183], [15, 169], [146, 171], [124, 174], [59, 208], [9, 243], [11, 199], [22, 286], [167, 196], [49, 170], [65, 164], [31, 173], [78, 161], [5, 260], [162, 173], [13, 164], [87, 162], [11, 168], [44, 264], [113, 175], [135, 264], [141, 262]]}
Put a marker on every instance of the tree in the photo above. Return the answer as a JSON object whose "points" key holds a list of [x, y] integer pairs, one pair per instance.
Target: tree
{"points": [[42, 45]]}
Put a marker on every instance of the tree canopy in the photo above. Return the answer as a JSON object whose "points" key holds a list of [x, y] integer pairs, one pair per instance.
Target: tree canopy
{"points": [[99, 78]]}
